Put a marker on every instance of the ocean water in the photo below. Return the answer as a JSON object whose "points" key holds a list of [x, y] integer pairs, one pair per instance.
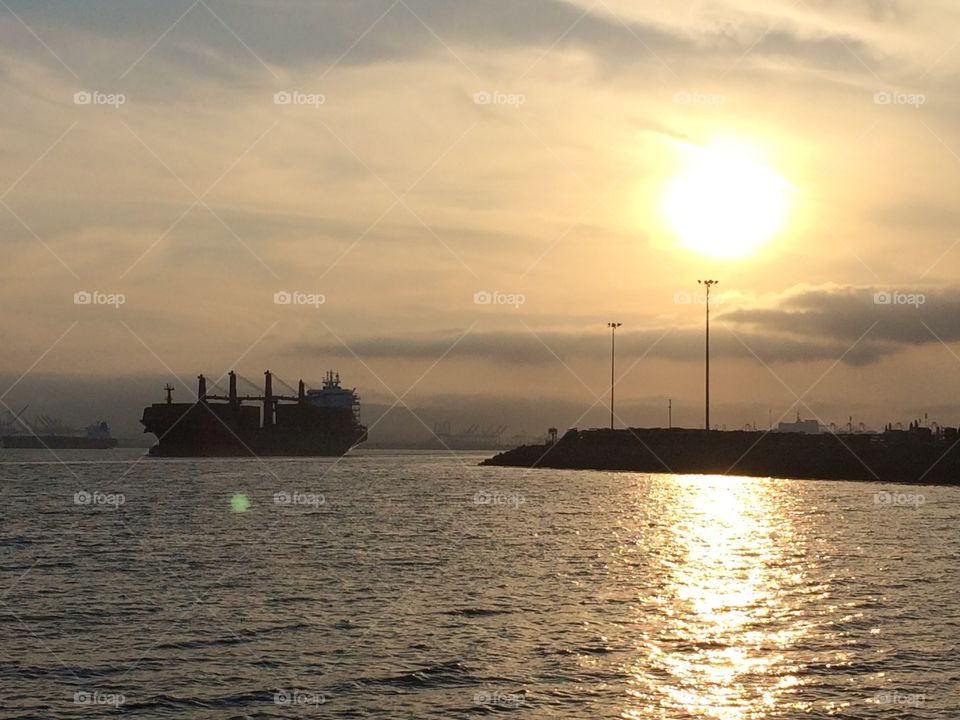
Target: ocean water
{"points": [[417, 585]]}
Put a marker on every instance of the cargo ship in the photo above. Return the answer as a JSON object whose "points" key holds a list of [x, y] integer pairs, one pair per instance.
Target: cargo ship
{"points": [[920, 455], [97, 437], [324, 422]]}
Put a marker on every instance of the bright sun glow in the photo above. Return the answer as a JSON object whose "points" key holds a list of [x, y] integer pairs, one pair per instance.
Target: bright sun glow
{"points": [[724, 203]]}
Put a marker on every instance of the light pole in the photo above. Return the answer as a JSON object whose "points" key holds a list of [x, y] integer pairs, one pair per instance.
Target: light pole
{"points": [[613, 350], [708, 284]]}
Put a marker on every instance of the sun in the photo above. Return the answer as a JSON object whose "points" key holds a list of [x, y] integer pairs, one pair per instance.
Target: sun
{"points": [[725, 204]]}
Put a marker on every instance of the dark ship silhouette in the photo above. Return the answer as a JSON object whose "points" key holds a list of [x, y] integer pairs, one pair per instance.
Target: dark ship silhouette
{"points": [[97, 437], [49, 433], [323, 422]]}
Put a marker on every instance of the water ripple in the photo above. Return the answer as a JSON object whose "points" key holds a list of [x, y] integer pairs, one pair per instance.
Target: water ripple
{"points": [[611, 595]]}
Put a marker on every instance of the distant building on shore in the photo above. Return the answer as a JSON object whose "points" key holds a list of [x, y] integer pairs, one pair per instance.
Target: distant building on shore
{"points": [[807, 427]]}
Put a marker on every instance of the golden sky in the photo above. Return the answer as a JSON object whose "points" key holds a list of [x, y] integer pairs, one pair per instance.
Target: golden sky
{"points": [[397, 158]]}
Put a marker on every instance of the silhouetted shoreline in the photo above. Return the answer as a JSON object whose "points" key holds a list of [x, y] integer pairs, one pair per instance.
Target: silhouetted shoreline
{"points": [[897, 456]]}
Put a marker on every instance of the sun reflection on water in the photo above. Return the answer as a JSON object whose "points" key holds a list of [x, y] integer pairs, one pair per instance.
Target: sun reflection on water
{"points": [[717, 623]]}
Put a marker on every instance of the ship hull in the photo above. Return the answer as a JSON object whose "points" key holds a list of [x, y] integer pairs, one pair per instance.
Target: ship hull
{"points": [[57, 442], [231, 430], [255, 447], [895, 457]]}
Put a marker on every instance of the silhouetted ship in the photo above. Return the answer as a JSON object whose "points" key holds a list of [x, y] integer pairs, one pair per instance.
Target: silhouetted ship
{"points": [[918, 455], [97, 437], [323, 422]]}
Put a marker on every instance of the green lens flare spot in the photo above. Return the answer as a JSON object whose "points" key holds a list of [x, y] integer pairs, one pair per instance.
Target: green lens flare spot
{"points": [[239, 502]]}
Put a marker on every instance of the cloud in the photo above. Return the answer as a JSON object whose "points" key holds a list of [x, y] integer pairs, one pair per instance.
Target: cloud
{"points": [[880, 11], [853, 325], [908, 215], [526, 347], [235, 41], [500, 199], [899, 316]]}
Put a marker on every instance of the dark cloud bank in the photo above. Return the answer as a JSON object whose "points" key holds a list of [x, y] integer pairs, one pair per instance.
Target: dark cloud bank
{"points": [[857, 326]]}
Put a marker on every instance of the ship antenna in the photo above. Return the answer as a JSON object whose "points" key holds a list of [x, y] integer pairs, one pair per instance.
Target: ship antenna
{"points": [[169, 388]]}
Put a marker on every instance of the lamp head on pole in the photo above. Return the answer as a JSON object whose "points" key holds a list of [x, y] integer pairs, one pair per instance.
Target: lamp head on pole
{"points": [[614, 325], [708, 284]]}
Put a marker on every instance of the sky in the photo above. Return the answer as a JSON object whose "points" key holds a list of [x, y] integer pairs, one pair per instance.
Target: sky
{"points": [[390, 166]]}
